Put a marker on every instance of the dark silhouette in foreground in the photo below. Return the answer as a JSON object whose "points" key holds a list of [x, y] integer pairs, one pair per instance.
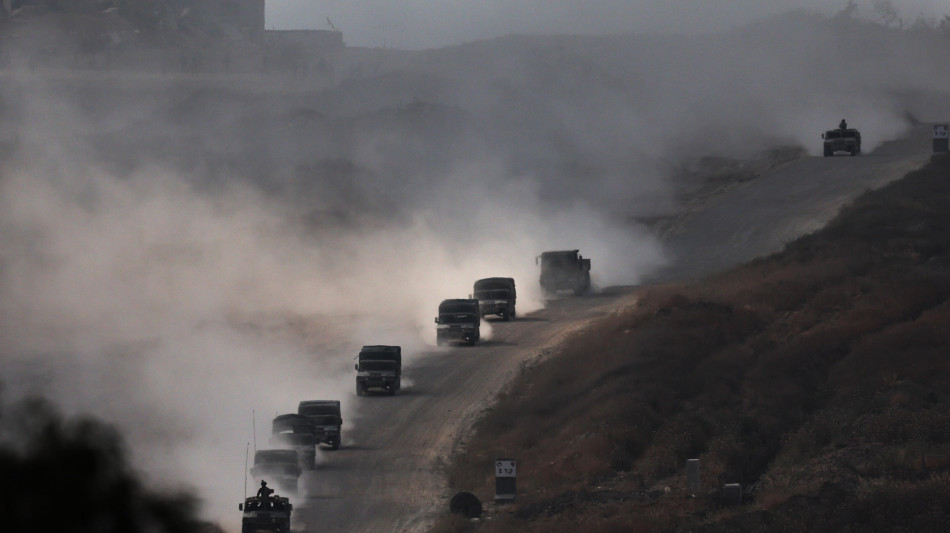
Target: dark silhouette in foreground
{"points": [[71, 474]]}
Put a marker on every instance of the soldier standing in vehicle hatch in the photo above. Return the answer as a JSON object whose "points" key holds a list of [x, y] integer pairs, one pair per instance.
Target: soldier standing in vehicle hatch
{"points": [[843, 125], [264, 492]]}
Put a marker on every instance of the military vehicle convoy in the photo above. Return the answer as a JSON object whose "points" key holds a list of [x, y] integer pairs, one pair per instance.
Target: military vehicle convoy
{"points": [[327, 420], [842, 139], [564, 270], [496, 296], [296, 432], [266, 514], [458, 321], [379, 367], [282, 466]]}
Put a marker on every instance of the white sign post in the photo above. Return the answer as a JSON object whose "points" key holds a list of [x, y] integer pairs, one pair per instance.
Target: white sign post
{"points": [[941, 138], [505, 473]]}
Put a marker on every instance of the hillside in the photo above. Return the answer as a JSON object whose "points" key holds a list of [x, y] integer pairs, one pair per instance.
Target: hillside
{"points": [[816, 378]]}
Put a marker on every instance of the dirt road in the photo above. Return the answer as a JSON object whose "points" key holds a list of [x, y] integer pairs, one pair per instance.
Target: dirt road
{"points": [[761, 215], [388, 474]]}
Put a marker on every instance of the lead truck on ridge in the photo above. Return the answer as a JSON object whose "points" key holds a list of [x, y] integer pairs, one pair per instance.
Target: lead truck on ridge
{"points": [[842, 139]]}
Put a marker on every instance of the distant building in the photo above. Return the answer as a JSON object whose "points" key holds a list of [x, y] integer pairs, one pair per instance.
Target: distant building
{"points": [[250, 14]]}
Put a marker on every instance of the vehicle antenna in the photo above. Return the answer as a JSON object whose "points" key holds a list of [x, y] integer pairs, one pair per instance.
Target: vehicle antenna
{"points": [[246, 450], [254, 429]]}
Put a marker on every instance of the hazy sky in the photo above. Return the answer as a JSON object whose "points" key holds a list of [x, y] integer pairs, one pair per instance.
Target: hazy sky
{"points": [[416, 24]]}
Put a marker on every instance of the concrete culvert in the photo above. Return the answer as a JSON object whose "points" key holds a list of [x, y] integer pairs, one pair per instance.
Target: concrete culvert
{"points": [[465, 503]]}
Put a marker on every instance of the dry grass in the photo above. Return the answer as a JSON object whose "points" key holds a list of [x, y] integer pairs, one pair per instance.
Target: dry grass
{"points": [[817, 378]]}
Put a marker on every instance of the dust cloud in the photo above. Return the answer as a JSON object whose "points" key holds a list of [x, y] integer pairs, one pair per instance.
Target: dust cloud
{"points": [[176, 256], [190, 313]]}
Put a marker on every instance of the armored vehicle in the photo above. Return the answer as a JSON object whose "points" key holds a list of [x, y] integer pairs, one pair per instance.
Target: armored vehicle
{"points": [[282, 466], [564, 270], [379, 367], [846, 140], [327, 420], [496, 296], [296, 432], [458, 321], [266, 514]]}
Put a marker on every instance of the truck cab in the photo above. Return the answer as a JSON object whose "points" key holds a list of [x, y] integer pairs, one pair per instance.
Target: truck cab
{"points": [[280, 466], [296, 432], [379, 367], [458, 321], [266, 514], [327, 420], [496, 296]]}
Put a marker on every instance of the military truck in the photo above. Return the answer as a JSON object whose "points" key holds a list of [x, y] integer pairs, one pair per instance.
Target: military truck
{"points": [[379, 367], [296, 432], [282, 466], [458, 321], [839, 140], [327, 420], [266, 514], [496, 296], [564, 270]]}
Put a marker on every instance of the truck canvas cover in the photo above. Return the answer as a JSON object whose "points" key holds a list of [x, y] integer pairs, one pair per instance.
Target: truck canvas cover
{"points": [[381, 353]]}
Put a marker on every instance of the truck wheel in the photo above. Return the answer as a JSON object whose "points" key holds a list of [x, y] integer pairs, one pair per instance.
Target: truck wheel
{"points": [[360, 390], [504, 316], [335, 443], [828, 153]]}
